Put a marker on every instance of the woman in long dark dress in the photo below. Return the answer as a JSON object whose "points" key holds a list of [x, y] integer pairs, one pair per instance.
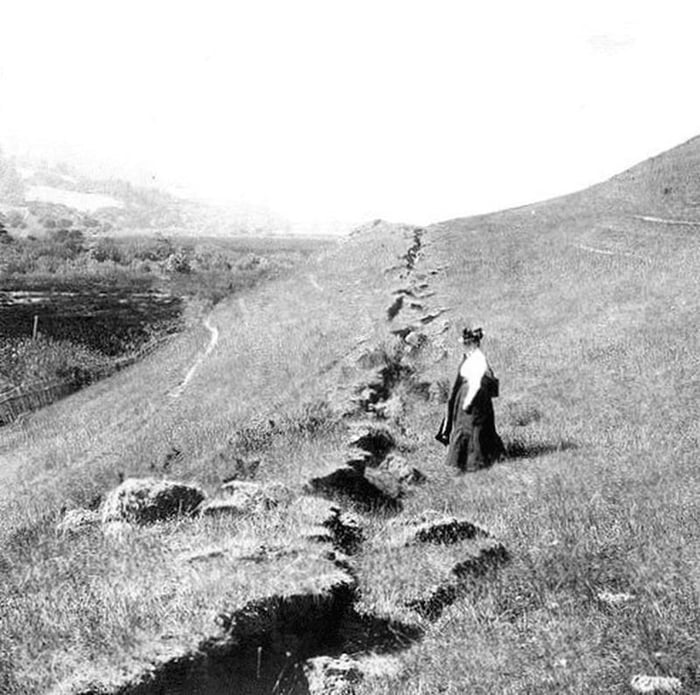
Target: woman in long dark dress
{"points": [[469, 427]]}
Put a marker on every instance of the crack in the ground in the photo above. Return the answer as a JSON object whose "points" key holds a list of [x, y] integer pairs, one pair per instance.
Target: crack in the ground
{"points": [[414, 249], [264, 646], [301, 643]]}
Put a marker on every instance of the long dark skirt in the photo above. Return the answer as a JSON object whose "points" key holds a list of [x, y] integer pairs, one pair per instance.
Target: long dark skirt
{"points": [[474, 442]]}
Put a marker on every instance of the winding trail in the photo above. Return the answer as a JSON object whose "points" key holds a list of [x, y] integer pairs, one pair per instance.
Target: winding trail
{"points": [[312, 280], [213, 340]]}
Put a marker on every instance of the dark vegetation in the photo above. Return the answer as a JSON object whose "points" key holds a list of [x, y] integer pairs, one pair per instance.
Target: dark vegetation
{"points": [[93, 296], [96, 300]]}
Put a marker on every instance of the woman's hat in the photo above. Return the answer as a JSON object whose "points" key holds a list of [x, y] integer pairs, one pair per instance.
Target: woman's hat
{"points": [[470, 334]]}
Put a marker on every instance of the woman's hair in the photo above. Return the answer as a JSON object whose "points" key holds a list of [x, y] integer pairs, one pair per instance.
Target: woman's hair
{"points": [[472, 335]]}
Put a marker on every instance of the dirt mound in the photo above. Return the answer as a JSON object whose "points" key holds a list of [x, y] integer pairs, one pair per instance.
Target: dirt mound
{"points": [[147, 500], [374, 438], [396, 467], [239, 497], [431, 603], [435, 527], [78, 520], [349, 484]]}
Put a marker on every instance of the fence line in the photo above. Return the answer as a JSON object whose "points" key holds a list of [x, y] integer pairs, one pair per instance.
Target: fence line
{"points": [[21, 399]]}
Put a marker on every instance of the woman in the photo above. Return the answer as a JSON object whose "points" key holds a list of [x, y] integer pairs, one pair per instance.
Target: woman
{"points": [[468, 428]]}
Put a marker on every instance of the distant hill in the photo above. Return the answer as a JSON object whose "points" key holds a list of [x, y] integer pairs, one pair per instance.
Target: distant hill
{"points": [[85, 202], [35, 196]]}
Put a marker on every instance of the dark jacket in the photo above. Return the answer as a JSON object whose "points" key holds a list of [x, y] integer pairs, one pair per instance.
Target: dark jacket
{"points": [[489, 388]]}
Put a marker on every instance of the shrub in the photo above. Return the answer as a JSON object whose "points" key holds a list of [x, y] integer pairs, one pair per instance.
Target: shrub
{"points": [[107, 249], [178, 262], [312, 418], [71, 239], [15, 220], [157, 248], [23, 361]]}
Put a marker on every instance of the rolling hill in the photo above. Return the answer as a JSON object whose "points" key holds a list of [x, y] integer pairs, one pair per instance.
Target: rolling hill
{"points": [[36, 197], [589, 304]]}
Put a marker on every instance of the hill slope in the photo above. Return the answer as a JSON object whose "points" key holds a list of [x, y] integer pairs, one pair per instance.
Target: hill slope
{"points": [[590, 308], [35, 196]]}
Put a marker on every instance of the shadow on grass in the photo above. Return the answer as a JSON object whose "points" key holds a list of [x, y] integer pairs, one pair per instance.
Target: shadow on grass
{"points": [[365, 633], [460, 581], [276, 663], [351, 485], [527, 450]]}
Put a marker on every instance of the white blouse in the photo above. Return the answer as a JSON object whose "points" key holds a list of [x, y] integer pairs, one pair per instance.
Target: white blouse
{"points": [[472, 370]]}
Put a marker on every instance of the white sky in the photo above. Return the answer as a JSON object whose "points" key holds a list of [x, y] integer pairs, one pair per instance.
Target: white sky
{"points": [[351, 110]]}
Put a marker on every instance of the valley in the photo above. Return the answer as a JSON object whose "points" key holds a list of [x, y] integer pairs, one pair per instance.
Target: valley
{"points": [[325, 386]]}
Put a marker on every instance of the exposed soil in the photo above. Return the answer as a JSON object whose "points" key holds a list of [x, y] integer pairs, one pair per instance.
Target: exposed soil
{"points": [[213, 340]]}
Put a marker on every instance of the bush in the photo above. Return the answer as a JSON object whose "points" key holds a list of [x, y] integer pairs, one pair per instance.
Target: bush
{"points": [[178, 262], [15, 220], [71, 239], [147, 249], [107, 249], [90, 222], [24, 361]]}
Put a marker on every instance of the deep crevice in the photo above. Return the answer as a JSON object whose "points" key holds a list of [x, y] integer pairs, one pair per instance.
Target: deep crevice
{"points": [[351, 485], [270, 662], [395, 307], [414, 249]]}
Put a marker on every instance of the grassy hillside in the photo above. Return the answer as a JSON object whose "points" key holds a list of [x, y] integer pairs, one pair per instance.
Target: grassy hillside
{"points": [[590, 308]]}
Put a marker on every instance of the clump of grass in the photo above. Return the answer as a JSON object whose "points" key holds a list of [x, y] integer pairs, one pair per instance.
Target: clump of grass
{"points": [[440, 390], [311, 419], [522, 414]]}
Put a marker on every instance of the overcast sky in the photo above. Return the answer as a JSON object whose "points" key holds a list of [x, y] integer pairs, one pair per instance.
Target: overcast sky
{"points": [[352, 110]]}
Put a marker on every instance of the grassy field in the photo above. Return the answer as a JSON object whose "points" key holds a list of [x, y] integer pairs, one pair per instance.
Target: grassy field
{"points": [[590, 310], [102, 301]]}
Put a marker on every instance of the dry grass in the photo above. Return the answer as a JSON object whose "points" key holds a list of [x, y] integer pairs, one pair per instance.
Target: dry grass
{"points": [[99, 603], [88, 601], [603, 494], [597, 354]]}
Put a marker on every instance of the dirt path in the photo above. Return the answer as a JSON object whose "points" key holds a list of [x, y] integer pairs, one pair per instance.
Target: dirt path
{"points": [[312, 280], [213, 340]]}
